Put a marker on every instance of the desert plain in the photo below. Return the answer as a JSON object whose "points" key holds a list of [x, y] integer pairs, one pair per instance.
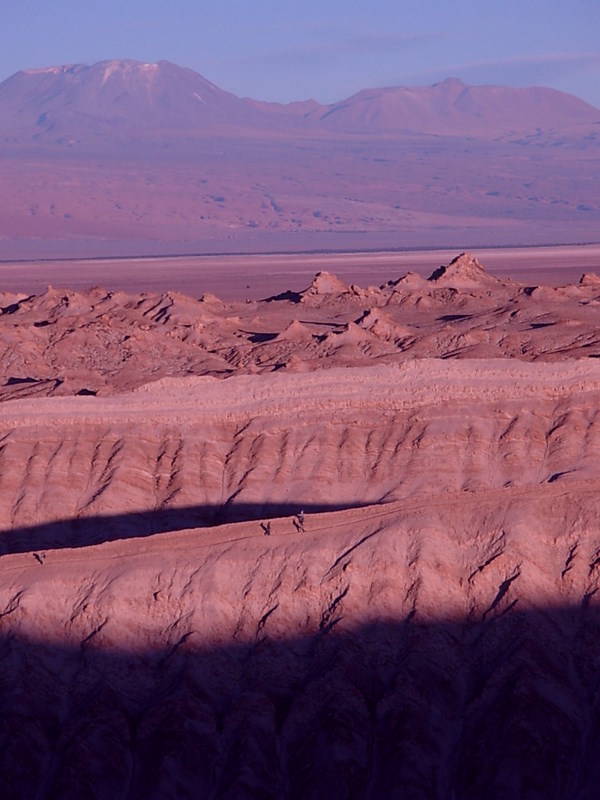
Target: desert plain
{"points": [[333, 534]]}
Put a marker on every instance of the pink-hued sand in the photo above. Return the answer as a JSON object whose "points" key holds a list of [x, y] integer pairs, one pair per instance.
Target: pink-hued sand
{"points": [[429, 628]]}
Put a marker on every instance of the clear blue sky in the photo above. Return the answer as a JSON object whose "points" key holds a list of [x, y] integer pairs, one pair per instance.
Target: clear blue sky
{"points": [[326, 49]]}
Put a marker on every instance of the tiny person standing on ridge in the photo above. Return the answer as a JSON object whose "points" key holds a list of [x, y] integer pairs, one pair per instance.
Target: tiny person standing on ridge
{"points": [[299, 521]]}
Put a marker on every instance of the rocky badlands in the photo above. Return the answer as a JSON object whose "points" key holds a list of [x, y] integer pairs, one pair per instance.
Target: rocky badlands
{"points": [[422, 620]]}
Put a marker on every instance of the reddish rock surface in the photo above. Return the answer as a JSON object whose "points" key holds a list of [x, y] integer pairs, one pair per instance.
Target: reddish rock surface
{"points": [[427, 628]]}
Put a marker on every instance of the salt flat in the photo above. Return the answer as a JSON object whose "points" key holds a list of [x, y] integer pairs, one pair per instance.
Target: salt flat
{"points": [[235, 277]]}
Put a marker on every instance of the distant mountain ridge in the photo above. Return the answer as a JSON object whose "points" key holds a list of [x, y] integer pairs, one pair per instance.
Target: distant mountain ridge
{"points": [[129, 157], [113, 96], [117, 95], [454, 107]]}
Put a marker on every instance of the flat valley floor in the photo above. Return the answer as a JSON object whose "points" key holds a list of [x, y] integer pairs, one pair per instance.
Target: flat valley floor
{"points": [[235, 277]]}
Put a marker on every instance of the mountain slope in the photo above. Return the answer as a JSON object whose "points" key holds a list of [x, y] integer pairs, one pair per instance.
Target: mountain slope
{"points": [[452, 107], [123, 94], [128, 154], [115, 96]]}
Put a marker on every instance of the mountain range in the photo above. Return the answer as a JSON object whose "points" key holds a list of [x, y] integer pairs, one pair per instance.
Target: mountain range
{"points": [[124, 156]]}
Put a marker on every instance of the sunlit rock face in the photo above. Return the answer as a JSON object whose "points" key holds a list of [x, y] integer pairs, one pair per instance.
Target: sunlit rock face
{"points": [[63, 342], [351, 575]]}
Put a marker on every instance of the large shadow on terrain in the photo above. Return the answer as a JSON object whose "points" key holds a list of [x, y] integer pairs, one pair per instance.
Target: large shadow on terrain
{"points": [[85, 531], [456, 710]]}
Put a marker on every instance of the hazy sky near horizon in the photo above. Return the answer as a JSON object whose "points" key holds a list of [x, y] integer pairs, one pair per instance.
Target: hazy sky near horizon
{"points": [[326, 49]]}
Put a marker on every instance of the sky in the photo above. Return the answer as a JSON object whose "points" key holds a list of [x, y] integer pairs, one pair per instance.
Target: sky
{"points": [[286, 50]]}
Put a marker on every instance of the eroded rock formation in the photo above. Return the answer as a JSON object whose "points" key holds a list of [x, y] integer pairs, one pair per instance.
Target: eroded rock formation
{"points": [[427, 627]]}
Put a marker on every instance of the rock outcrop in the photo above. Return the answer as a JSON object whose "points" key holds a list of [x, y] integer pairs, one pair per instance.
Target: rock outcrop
{"points": [[348, 548]]}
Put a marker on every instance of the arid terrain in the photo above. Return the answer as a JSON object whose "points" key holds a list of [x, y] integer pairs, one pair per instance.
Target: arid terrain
{"points": [[127, 158], [339, 542]]}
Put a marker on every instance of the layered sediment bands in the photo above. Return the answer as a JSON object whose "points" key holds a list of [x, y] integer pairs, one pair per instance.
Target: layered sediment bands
{"points": [[185, 452], [442, 649], [428, 627]]}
